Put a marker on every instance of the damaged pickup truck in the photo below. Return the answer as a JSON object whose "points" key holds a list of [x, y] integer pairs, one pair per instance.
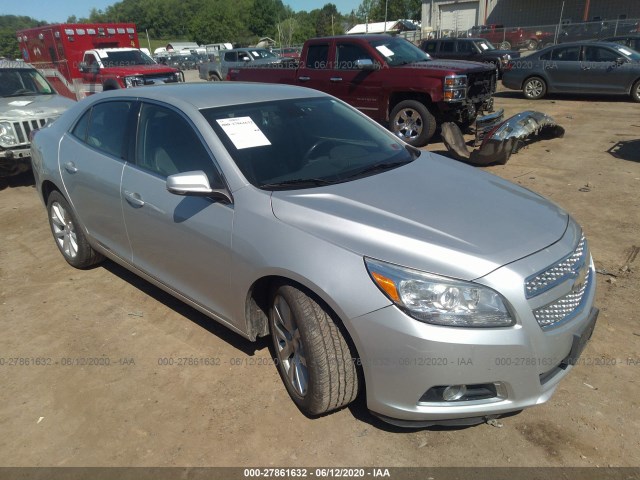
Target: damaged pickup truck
{"points": [[27, 102], [390, 80]]}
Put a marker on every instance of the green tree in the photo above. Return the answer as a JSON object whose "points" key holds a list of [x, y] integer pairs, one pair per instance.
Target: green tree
{"points": [[264, 16], [9, 25]]}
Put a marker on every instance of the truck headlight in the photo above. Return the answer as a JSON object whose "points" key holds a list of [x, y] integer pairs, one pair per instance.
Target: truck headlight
{"points": [[133, 81], [455, 81], [8, 136], [440, 300]]}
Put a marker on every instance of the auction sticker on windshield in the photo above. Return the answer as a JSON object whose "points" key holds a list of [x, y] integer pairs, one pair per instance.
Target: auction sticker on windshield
{"points": [[243, 132]]}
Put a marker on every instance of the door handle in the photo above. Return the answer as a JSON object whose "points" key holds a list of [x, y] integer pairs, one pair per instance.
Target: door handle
{"points": [[335, 79], [134, 199], [70, 167], [304, 79]]}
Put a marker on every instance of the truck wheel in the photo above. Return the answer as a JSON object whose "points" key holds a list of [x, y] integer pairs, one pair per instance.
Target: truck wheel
{"points": [[413, 123], [534, 88], [313, 357], [68, 234], [505, 45], [635, 92], [532, 44], [213, 77]]}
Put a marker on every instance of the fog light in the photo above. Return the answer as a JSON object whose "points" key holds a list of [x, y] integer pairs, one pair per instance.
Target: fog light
{"points": [[454, 392]]}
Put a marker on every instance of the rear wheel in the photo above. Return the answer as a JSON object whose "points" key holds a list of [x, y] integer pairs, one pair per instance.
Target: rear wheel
{"points": [[531, 44], [412, 122], [505, 45], [213, 77], [635, 91], [313, 357], [68, 234], [534, 88]]}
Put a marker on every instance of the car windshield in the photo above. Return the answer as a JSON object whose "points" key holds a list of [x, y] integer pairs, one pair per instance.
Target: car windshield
{"points": [[627, 52], [303, 143], [485, 46], [23, 82], [398, 51], [125, 58], [261, 53]]}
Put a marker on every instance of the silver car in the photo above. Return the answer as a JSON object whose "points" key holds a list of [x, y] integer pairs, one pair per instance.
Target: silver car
{"points": [[453, 296]]}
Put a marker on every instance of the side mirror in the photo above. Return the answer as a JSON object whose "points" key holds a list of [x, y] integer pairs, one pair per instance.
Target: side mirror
{"points": [[364, 64], [195, 184], [86, 68]]}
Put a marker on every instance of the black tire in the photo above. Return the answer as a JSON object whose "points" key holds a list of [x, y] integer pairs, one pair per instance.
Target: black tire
{"points": [[313, 357], [534, 88], [412, 122], [213, 77], [505, 45], [531, 44], [635, 91], [68, 234]]}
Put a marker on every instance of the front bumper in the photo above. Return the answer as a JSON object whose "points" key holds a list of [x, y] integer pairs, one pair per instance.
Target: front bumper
{"points": [[403, 358], [14, 161]]}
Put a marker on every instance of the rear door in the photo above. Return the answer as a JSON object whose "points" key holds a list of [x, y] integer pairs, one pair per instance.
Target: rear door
{"points": [[316, 69], [92, 159], [565, 71]]}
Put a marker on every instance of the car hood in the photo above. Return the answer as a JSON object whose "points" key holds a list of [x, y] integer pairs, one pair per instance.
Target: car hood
{"points": [[434, 214], [139, 70], [453, 66], [37, 106]]}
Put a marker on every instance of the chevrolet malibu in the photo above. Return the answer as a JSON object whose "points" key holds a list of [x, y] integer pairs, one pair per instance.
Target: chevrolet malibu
{"points": [[580, 67], [443, 293]]}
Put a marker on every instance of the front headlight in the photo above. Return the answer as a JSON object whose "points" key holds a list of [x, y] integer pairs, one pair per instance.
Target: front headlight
{"points": [[133, 81], [455, 81], [8, 136], [440, 300]]}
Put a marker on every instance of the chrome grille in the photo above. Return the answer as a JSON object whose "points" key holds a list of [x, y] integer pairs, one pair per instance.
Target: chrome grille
{"points": [[25, 127], [563, 308], [556, 274]]}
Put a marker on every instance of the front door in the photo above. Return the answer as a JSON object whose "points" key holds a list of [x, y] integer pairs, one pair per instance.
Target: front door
{"points": [[182, 241]]}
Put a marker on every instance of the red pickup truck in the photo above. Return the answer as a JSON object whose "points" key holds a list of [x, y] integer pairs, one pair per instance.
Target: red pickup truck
{"points": [[389, 79], [514, 37]]}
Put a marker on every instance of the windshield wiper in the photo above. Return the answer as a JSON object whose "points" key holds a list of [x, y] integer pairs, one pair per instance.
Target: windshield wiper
{"points": [[298, 182], [378, 167]]}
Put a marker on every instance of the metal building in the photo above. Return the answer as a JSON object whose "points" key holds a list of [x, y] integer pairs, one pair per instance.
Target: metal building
{"points": [[460, 15]]}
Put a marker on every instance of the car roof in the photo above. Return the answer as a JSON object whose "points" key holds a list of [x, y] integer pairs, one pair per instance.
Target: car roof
{"points": [[585, 43], [215, 94], [620, 37]]}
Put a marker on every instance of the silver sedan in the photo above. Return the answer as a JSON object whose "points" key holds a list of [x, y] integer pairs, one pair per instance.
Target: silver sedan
{"points": [[453, 296]]}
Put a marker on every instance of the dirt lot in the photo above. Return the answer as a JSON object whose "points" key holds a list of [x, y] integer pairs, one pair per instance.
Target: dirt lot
{"points": [[136, 412]]}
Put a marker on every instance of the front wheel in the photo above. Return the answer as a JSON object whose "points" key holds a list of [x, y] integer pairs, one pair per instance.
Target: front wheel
{"points": [[635, 92], [412, 122], [313, 357], [68, 234], [213, 77], [505, 45], [531, 44], [534, 88]]}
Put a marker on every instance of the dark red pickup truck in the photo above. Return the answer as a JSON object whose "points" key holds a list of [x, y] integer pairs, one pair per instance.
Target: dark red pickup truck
{"points": [[388, 79]]}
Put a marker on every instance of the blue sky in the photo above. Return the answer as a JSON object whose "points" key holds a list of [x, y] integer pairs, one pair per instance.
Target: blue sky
{"points": [[56, 11]]}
